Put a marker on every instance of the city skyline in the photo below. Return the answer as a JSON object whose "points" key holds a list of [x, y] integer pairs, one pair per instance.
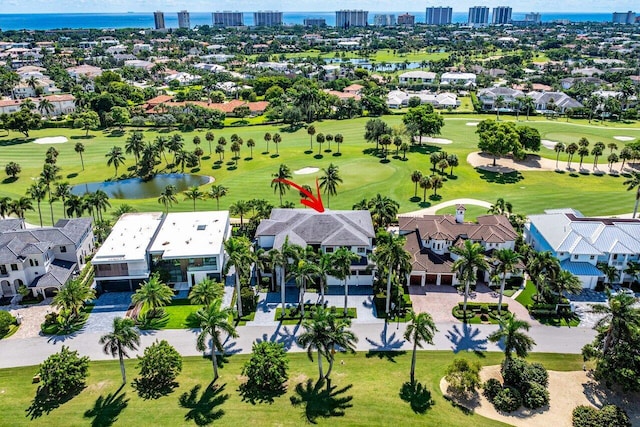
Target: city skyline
{"points": [[119, 6]]}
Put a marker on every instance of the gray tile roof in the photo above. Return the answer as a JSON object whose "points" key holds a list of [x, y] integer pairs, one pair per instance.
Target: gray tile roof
{"points": [[10, 224], [57, 276]]}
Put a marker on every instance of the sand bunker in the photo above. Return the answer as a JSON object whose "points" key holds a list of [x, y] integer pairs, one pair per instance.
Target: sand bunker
{"points": [[306, 171], [549, 144], [624, 138], [566, 389], [472, 123], [51, 140], [430, 140]]}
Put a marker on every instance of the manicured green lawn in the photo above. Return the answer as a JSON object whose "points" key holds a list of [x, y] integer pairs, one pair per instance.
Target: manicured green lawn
{"points": [[181, 314], [526, 296], [363, 173], [366, 393]]}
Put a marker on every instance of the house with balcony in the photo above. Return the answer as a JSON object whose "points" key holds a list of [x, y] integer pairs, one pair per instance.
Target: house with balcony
{"points": [[429, 239], [510, 97], [44, 259], [580, 242], [324, 232]]}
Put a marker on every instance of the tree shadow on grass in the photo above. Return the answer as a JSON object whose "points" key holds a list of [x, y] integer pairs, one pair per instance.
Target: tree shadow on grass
{"points": [[204, 410], [148, 389], [500, 178], [72, 175], [106, 409], [15, 141], [320, 401], [10, 180], [318, 156], [309, 152], [43, 404], [254, 394], [337, 154], [435, 197], [417, 396], [415, 199], [82, 137]]}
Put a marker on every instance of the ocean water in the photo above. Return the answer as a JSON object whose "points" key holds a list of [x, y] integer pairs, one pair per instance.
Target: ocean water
{"points": [[48, 21]]}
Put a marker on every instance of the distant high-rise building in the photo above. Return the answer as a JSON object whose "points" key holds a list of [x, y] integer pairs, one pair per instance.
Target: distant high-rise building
{"points": [[624, 17], [184, 21], [384, 20], [478, 15], [351, 18], [267, 18], [533, 17], [158, 18], [406, 19], [228, 19], [315, 22], [501, 15], [438, 16]]}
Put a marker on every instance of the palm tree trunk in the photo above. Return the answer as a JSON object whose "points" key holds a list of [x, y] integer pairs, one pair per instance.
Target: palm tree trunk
{"points": [[635, 208], [122, 371], [282, 290], [320, 365], [388, 304], [466, 295], [214, 361], [40, 214], [346, 296], [301, 300], [239, 302], [413, 361], [504, 278]]}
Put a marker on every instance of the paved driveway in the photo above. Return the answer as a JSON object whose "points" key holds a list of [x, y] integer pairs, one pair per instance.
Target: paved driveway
{"points": [[32, 317], [440, 300], [108, 306]]}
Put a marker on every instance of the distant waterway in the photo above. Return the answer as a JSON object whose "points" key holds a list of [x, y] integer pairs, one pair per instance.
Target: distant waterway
{"points": [[49, 21], [136, 188]]}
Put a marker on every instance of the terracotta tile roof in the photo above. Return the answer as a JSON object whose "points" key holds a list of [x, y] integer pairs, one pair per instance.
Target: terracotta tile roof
{"points": [[226, 107], [424, 259], [490, 228]]}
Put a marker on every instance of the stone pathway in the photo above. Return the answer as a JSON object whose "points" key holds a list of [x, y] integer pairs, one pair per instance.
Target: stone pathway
{"points": [[108, 306], [32, 317]]}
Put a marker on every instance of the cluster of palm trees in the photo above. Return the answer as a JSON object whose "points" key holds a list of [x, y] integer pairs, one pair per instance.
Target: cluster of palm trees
{"points": [[393, 261], [426, 182], [581, 148], [383, 209], [550, 280], [328, 183]]}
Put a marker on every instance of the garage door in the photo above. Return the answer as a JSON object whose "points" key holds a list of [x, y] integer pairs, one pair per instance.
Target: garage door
{"points": [[115, 286], [431, 279], [415, 280], [446, 279]]}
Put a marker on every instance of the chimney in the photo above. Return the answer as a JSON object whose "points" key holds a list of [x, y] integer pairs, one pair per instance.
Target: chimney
{"points": [[460, 213]]}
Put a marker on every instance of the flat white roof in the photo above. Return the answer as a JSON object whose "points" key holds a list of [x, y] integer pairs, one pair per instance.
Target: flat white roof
{"points": [[191, 234], [129, 238]]}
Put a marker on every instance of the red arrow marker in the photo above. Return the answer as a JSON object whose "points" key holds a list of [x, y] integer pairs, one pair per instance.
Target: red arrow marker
{"points": [[314, 203]]}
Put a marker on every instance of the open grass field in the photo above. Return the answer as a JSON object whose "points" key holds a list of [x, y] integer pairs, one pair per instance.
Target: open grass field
{"points": [[383, 55], [364, 174], [365, 391]]}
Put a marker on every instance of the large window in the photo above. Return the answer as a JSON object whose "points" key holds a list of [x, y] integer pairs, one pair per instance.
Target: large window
{"points": [[63, 249]]}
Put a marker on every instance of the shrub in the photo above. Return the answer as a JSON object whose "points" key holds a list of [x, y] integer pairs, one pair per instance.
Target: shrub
{"points": [[584, 416], [514, 372], [491, 388], [612, 415], [463, 377], [266, 370], [507, 400], [248, 298], [538, 374], [159, 367], [63, 373], [608, 416], [6, 320], [536, 396]]}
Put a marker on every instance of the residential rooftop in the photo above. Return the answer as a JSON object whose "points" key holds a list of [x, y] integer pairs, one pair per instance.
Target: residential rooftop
{"points": [[129, 238]]}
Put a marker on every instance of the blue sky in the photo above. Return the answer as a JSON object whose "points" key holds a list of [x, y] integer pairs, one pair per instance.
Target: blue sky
{"points": [[47, 6]]}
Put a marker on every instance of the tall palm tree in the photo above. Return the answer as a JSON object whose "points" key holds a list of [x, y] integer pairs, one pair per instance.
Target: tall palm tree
{"points": [[123, 336], [311, 130], [48, 176], [339, 139], [421, 329], [610, 272], [267, 138], [213, 320], [205, 292], [571, 150], [46, 107], [470, 258], [115, 158], [277, 139], [240, 208], [513, 338], [339, 336], [341, 261], [383, 210], [633, 270], [278, 186], [505, 262], [72, 296], [634, 183], [425, 184], [168, 197], [320, 140], [160, 144], [289, 254], [210, 137], [20, 207], [390, 254], [559, 148], [239, 255], [565, 282], [62, 192], [501, 207], [251, 143], [217, 191], [436, 183], [75, 206], [194, 193], [329, 181], [153, 294], [134, 145], [38, 192], [582, 152], [596, 151], [416, 176], [621, 319], [79, 148], [5, 206], [304, 272], [100, 202], [316, 336]]}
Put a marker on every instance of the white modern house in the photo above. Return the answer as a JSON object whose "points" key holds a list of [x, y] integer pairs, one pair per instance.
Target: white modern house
{"points": [[580, 243], [416, 78], [325, 232], [44, 259], [465, 79]]}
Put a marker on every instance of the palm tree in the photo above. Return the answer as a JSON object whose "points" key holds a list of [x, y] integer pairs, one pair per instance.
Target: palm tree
{"points": [[72, 296], [216, 192], [383, 210], [596, 152], [634, 183], [329, 181], [251, 143], [304, 272], [278, 186], [160, 144], [45, 107], [316, 336], [565, 282], [194, 194], [559, 148], [277, 139], [501, 207], [513, 338], [339, 336], [5, 206], [416, 176], [100, 202], [391, 254], [620, 321], [205, 292], [153, 294], [115, 158], [582, 152], [20, 207], [239, 255], [633, 270], [498, 104], [134, 144], [62, 191], [267, 138], [240, 208], [320, 140], [425, 184], [311, 130], [213, 320], [38, 192], [168, 197], [506, 260], [339, 139], [287, 252], [210, 137], [341, 261], [611, 273], [571, 150], [124, 336], [436, 183], [421, 329], [470, 258]]}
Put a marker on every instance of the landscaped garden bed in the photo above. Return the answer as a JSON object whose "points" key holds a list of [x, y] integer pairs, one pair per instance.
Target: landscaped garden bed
{"points": [[398, 313], [65, 324], [293, 315], [480, 312]]}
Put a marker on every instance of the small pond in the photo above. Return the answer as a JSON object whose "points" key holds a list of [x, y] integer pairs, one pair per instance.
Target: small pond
{"points": [[136, 188]]}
